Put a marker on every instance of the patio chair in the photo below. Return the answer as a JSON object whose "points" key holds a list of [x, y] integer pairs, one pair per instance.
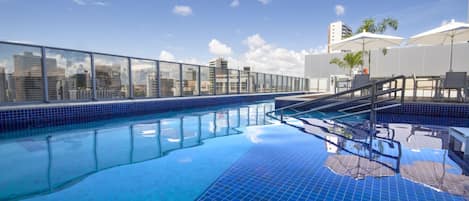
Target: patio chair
{"points": [[421, 87], [360, 80], [456, 81]]}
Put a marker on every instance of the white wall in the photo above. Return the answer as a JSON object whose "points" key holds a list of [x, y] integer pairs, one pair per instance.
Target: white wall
{"points": [[428, 60]]}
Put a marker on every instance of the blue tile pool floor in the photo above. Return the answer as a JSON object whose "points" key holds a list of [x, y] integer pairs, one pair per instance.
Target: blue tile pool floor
{"points": [[297, 170], [232, 152]]}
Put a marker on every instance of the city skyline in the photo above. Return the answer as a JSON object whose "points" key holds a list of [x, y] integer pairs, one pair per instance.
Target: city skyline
{"points": [[262, 34]]}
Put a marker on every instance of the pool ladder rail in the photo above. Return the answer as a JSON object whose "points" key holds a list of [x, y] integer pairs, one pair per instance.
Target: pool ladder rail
{"points": [[366, 99]]}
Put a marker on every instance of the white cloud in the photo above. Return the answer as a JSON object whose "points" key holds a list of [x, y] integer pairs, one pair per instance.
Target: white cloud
{"points": [[254, 41], [166, 56], [267, 58], [218, 48], [339, 10], [90, 2], [193, 60], [182, 10], [234, 3], [100, 3], [79, 2], [444, 22], [265, 2]]}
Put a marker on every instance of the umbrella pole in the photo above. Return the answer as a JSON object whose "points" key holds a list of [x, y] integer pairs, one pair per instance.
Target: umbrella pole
{"points": [[451, 55], [363, 55]]}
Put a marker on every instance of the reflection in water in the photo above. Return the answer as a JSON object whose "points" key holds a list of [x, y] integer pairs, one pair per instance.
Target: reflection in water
{"points": [[355, 154], [352, 152], [436, 176], [61, 160]]}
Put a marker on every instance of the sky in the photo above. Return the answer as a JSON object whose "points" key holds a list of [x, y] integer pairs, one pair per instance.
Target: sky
{"points": [[271, 36]]}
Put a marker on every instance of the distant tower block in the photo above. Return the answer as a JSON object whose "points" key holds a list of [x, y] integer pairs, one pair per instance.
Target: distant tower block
{"points": [[337, 31]]}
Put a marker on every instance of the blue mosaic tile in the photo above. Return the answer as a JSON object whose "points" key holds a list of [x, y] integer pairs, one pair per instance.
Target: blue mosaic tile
{"points": [[295, 170], [17, 119]]}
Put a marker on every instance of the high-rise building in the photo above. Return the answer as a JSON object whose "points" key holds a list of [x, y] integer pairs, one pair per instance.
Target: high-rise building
{"points": [[337, 31], [219, 63], [28, 77], [108, 81], [152, 84]]}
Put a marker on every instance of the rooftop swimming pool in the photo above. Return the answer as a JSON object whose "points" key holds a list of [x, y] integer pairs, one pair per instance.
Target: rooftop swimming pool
{"points": [[233, 152]]}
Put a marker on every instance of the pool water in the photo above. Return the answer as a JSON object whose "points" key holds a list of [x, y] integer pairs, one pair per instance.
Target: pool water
{"points": [[233, 152]]}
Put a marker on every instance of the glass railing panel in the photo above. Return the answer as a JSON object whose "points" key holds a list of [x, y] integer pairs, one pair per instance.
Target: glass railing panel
{"points": [[252, 82], [144, 78], [190, 80], [268, 83], [170, 79], [244, 82], [207, 75], [260, 83], [221, 79], [302, 84], [233, 81], [20, 74], [112, 77], [274, 83], [285, 83], [68, 75]]}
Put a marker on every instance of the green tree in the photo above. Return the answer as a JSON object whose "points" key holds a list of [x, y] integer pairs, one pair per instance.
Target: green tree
{"points": [[370, 25], [350, 61]]}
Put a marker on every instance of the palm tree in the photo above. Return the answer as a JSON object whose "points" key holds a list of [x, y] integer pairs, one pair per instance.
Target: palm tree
{"points": [[350, 61], [371, 26]]}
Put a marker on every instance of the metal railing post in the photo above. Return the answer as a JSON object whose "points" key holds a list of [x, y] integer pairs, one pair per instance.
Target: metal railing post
{"points": [[248, 85], [94, 95], [372, 108], [158, 82], [181, 84], [239, 81], [403, 90], [227, 81], [199, 82], [213, 79], [131, 86], [45, 84]]}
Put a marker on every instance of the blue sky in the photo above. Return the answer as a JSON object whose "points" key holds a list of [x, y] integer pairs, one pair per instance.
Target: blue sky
{"points": [[270, 35]]}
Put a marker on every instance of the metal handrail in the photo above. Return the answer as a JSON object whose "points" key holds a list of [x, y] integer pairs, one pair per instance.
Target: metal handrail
{"points": [[373, 97], [341, 103]]}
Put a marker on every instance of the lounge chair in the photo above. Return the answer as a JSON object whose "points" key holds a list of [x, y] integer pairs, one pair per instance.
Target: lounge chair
{"points": [[359, 81], [457, 81]]}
